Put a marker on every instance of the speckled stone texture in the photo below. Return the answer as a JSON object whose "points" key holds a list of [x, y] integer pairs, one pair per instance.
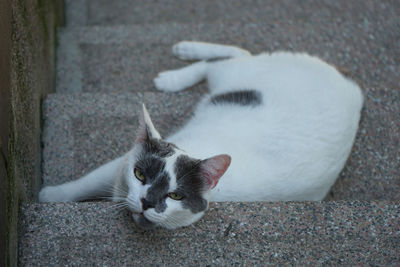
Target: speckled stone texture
{"points": [[107, 58], [127, 58], [317, 233], [373, 168]]}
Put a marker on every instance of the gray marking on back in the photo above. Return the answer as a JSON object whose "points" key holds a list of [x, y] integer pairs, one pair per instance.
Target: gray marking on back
{"points": [[242, 97], [217, 59]]}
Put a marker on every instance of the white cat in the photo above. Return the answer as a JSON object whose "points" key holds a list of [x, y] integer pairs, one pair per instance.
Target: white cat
{"points": [[287, 121]]}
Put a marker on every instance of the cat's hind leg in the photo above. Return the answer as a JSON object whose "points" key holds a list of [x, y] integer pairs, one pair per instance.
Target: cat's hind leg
{"points": [[176, 80], [187, 50]]}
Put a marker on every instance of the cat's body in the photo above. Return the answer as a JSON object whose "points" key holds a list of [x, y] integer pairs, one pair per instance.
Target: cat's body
{"points": [[288, 121]]}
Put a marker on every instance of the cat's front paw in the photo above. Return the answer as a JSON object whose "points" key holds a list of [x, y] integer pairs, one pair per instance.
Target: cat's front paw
{"points": [[52, 194], [169, 81], [184, 50]]}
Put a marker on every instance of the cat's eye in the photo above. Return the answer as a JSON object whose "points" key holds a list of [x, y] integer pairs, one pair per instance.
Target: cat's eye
{"points": [[139, 175], [175, 196]]}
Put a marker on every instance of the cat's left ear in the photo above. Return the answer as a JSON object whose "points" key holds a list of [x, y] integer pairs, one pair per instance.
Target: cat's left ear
{"points": [[213, 168], [146, 128]]}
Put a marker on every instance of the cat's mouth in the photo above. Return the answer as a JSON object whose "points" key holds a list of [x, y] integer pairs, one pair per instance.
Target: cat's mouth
{"points": [[138, 215], [142, 221]]}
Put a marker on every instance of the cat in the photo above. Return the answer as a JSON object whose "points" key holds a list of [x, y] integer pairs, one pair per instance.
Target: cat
{"points": [[274, 127]]}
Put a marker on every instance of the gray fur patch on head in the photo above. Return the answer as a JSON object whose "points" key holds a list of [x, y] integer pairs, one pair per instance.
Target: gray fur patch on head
{"points": [[190, 183], [150, 165], [242, 97], [157, 192], [153, 168], [158, 147]]}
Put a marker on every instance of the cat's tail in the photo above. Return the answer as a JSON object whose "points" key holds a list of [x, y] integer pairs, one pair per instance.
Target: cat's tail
{"points": [[188, 50]]}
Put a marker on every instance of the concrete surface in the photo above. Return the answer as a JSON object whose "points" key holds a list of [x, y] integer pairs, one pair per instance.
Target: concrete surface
{"points": [[126, 58], [107, 58], [120, 12], [318, 233]]}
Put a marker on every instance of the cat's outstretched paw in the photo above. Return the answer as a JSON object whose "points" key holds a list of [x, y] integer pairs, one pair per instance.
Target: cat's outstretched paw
{"points": [[185, 50], [170, 81], [52, 194]]}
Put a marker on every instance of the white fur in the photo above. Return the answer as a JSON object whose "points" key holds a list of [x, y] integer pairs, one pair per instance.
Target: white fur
{"points": [[176, 80], [291, 147], [169, 167], [187, 50]]}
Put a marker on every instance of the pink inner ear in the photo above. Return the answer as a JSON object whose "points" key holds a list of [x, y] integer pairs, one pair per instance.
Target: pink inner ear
{"points": [[213, 168]]}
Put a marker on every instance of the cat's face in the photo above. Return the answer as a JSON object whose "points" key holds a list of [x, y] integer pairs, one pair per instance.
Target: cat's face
{"points": [[166, 187]]}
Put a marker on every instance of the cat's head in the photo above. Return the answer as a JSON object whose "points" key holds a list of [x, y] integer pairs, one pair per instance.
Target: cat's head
{"points": [[167, 187]]}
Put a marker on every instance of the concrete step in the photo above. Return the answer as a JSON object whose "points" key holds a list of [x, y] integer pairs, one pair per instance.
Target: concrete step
{"points": [[123, 12], [84, 130], [127, 58], [346, 233], [106, 72]]}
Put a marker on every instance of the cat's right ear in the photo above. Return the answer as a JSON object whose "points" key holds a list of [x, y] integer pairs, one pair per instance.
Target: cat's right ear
{"points": [[146, 128], [213, 168]]}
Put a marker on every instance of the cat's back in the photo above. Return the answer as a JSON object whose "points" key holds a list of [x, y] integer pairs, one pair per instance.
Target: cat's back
{"points": [[286, 90], [287, 75], [294, 137]]}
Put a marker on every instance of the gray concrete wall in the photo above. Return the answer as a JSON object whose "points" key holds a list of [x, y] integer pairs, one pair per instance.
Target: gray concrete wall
{"points": [[27, 64]]}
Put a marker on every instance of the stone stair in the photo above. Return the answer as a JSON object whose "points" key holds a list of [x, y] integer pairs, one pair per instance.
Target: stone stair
{"points": [[107, 56], [344, 233]]}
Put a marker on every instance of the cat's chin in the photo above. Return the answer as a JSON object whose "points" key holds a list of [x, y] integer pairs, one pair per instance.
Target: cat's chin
{"points": [[143, 222]]}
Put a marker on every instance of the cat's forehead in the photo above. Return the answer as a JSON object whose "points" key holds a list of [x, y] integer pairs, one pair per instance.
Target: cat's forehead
{"points": [[157, 156], [168, 157], [159, 148]]}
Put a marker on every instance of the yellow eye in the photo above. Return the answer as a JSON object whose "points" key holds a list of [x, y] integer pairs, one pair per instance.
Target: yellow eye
{"points": [[139, 175], [175, 196]]}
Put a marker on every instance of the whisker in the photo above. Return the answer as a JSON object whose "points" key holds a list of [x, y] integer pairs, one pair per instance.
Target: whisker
{"points": [[120, 209], [112, 189], [107, 198], [120, 191], [118, 205]]}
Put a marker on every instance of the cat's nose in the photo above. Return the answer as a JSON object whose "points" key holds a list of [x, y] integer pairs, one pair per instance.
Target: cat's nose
{"points": [[146, 204]]}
